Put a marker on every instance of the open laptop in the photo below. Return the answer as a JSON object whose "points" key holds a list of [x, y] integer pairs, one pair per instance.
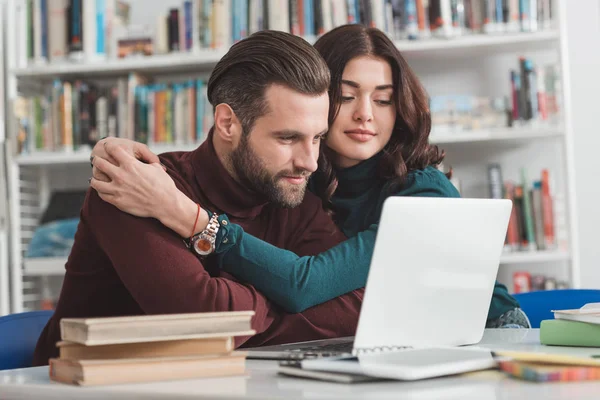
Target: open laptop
{"points": [[430, 282]]}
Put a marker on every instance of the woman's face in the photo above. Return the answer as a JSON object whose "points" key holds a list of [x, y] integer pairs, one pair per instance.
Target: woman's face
{"points": [[367, 114]]}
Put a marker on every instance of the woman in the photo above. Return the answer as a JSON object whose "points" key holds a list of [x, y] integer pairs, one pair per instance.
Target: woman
{"points": [[377, 146]]}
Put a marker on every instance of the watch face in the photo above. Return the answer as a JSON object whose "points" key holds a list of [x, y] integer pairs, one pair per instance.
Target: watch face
{"points": [[203, 246]]}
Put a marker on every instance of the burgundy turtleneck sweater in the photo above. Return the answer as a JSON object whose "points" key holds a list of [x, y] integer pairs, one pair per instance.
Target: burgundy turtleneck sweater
{"points": [[125, 265]]}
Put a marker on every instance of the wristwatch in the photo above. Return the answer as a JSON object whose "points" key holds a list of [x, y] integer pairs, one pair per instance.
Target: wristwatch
{"points": [[203, 243]]}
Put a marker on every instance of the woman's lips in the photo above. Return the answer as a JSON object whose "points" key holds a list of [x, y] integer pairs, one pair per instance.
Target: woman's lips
{"points": [[360, 135]]}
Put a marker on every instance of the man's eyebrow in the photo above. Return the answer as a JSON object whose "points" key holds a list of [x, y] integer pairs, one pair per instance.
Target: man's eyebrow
{"points": [[356, 85], [287, 132], [291, 132]]}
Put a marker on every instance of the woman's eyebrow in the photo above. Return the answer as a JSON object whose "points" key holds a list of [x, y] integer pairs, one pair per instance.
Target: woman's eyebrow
{"points": [[357, 86]]}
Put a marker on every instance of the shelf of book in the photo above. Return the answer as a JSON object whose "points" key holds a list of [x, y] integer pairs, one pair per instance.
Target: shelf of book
{"points": [[205, 59], [56, 265], [40, 158], [530, 257], [45, 266], [81, 156], [498, 134]]}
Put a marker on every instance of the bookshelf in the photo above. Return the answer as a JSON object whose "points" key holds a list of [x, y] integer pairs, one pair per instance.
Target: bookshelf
{"points": [[204, 60], [40, 158], [477, 64], [55, 266]]}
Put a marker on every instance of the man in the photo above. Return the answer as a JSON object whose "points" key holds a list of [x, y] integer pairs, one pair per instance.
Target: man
{"points": [[271, 107]]}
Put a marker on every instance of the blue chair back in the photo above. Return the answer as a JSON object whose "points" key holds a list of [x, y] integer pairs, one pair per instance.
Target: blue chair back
{"points": [[19, 334], [538, 305]]}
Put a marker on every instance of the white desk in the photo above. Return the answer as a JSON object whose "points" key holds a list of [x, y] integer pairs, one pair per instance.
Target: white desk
{"points": [[263, 382]]}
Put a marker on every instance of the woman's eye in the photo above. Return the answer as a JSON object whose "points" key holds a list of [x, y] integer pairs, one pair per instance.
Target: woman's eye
{"points": [[384, 102], [346, 99]]}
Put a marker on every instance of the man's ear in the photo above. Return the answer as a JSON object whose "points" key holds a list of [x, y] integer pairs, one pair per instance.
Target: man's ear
{"points": [[227, 124]]}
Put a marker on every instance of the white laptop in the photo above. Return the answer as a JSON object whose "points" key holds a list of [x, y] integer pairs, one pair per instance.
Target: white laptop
{"points": [[430, 282]]}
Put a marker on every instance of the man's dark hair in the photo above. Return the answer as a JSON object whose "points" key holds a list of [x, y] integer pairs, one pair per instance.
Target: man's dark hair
{"points": [[251, 65]]}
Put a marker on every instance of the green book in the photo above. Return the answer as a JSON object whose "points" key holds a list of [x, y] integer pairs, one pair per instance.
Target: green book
{"points": [[527, 212], [558, 332]]}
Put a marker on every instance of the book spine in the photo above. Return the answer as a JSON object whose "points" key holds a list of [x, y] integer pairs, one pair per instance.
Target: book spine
{"points": [[327, 15], [499, 16], [547, 211], [515, 87], [102, 110], [351, 8], [75, 112], [67, 112], [174, 29], [57, 32], [76, 31], [524, 9], [489, 20], [182, 28], [44, 29], [527, 214], [101, 18], [541, 93], [187, 10], [495, 181], [411, 24], [25, 13], [538, 218], [89, 22], [37, 31], [512, 242], [532, 90]]}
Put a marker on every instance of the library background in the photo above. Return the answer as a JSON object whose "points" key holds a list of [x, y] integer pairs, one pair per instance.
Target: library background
{"points": [[512, 86]]}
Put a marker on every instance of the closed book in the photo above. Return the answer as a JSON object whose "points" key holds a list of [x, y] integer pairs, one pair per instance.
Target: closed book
{"points": [[588, 313], [154, 328], [569, 333], [170, 348], [135, 370], [549, 372]]}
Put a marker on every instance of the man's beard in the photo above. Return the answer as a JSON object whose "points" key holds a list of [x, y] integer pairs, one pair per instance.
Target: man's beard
{"points": [[252, 173]]}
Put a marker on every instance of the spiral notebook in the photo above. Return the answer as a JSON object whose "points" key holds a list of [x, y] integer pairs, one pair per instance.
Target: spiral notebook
{"points": [[430, 282]]}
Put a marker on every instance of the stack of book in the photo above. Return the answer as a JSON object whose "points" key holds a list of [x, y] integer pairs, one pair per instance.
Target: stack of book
{"points": [[580, 327], [114, 350]]}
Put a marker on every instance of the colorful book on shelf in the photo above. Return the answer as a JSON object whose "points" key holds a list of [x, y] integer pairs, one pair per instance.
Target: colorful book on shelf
{"points": [[95, 28]]}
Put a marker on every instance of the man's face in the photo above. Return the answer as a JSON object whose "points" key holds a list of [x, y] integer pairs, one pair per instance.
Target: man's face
{"points": [[280, 153]]}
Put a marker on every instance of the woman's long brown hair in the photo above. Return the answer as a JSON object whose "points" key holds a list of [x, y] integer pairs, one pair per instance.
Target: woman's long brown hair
{"points": [[408, 148]]}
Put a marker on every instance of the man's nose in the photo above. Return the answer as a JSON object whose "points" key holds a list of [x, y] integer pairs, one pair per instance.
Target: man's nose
{"points": [[307, 157]]}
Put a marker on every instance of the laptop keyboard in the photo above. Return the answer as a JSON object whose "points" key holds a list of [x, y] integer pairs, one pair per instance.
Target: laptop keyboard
{"points": [[325, 350]]}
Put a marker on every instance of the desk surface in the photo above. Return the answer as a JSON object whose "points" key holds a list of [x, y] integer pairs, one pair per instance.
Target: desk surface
{"points": [[262, 382]]}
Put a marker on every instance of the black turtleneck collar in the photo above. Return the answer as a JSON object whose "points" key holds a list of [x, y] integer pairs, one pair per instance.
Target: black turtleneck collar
{"points": [[358, 179]]}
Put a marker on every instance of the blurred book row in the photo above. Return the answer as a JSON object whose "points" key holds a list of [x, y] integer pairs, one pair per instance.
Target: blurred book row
{"points": [[77, 113], [524, 282], [86, 30], [534, 100], [537, 222]]}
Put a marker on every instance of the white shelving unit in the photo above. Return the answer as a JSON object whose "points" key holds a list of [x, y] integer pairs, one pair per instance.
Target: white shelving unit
{"points": [[477, 64], [4, 266], [55, 266]]}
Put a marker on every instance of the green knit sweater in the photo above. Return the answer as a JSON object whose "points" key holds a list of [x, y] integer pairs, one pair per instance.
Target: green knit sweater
{"points": [[297, 283]]}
